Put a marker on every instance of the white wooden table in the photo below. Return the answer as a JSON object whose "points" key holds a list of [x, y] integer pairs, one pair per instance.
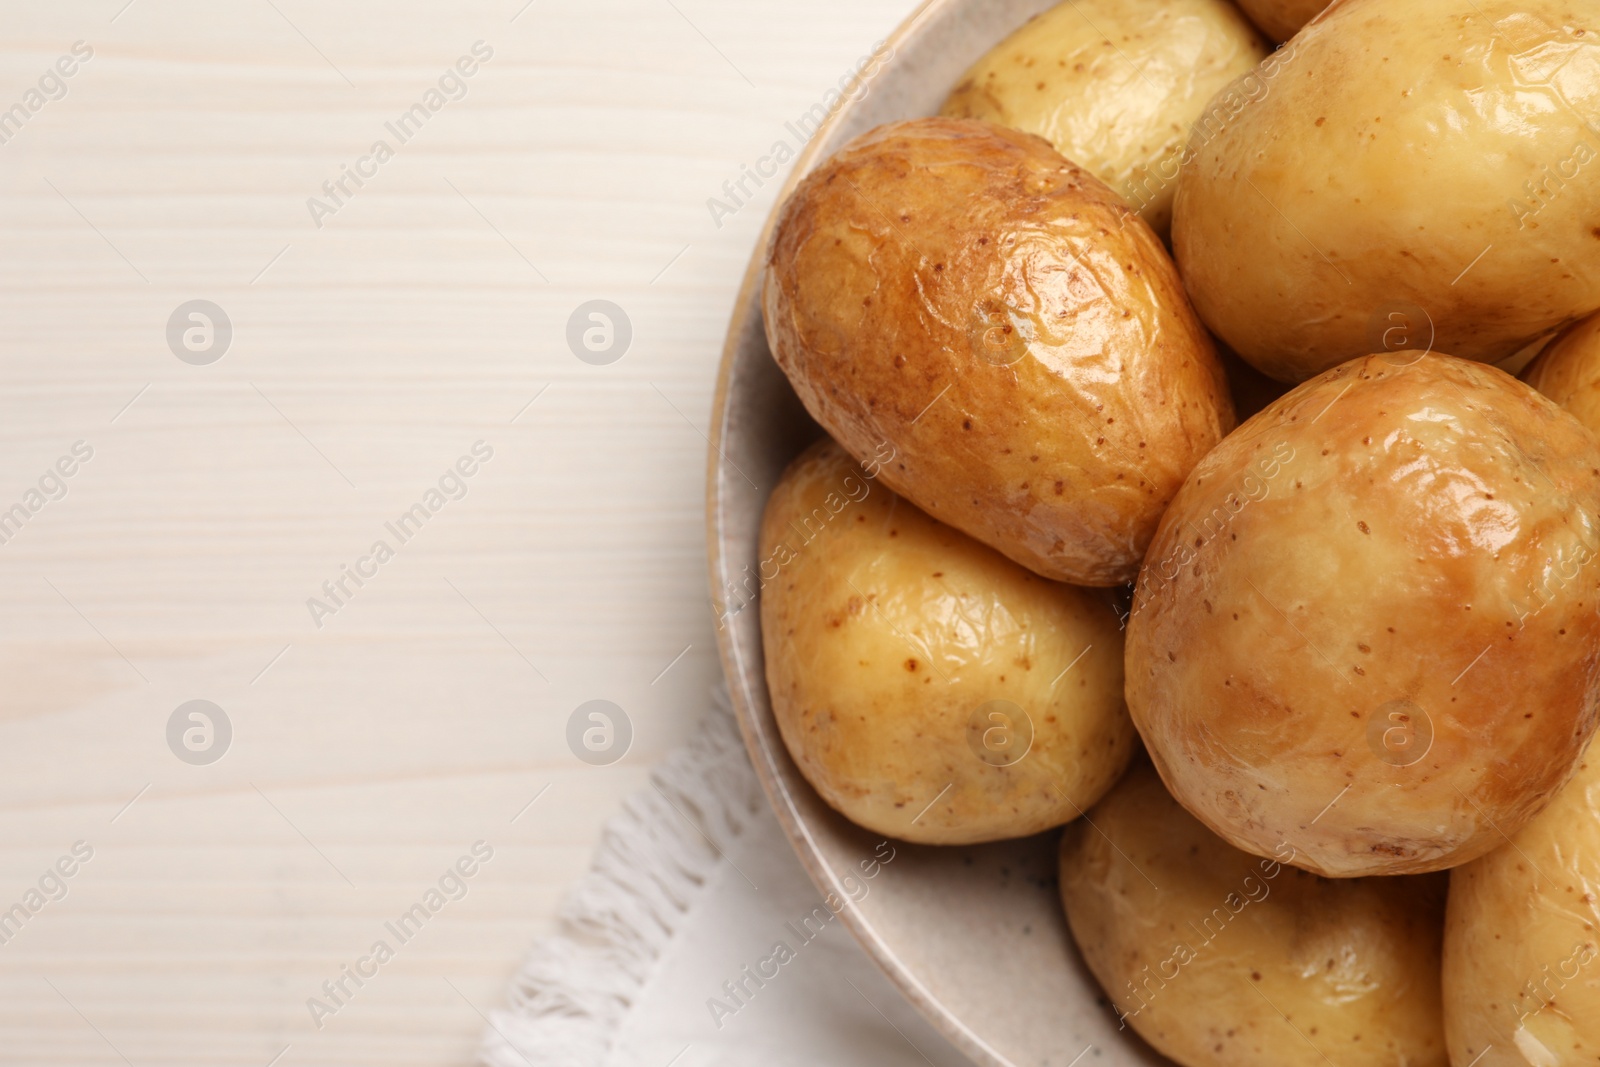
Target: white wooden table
{"points": [[427, 311]]}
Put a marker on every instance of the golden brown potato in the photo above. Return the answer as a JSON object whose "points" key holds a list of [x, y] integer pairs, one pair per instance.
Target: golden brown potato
{"points": [[1521, 977], [960, 292], [1122, 112], [1368, 624], [1429, 158], [1282, 19], [1221, 959], [1568, 372], [928, 687]]}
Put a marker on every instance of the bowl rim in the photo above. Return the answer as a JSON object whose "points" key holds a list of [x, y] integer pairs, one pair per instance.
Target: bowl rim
{"points": [[772, 784]]}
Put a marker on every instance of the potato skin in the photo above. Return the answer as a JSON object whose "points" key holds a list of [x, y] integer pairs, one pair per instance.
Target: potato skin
{"points": [[886, 632], [1399, 145], [1521, 952], [1122, 113], [1568, 372], [1369, 622], [1000, 318], [1282, 19], [1203, 966]]}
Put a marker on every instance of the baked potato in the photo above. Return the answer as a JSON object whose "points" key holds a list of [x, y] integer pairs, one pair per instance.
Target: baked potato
{"points": [[1282, 19], [926, 686], [1121, 112], [1521, 982], [1568, 371], [1222, 959], [998, 316], [1430, 157], [1368, 624]]}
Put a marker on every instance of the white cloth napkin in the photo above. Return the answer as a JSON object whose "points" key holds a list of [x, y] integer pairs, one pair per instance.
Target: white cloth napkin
{"points": [[693, 883]]}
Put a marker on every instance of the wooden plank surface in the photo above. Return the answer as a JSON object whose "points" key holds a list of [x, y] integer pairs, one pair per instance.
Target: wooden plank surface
{"points": [[369, 353]]}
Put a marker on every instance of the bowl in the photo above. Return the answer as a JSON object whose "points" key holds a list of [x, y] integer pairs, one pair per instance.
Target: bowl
{"points": [[973, 936]]}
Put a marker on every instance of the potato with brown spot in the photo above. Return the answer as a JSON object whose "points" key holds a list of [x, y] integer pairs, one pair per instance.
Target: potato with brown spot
{"points": [[1222, 959], [1122, 110], [1282, 19], [1370, 623], [926, 686], [1429, 163], [1522, 941], [1568, 372], [963, 294]]}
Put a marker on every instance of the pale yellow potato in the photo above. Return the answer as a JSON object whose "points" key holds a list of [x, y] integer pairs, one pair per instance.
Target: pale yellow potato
{"points": [[1521, 950], [1370, 622], [1222, 959], [1121, 112], [1568, 372], [928, 687], [1436, 159], [1000, 317], [1282, 19]]}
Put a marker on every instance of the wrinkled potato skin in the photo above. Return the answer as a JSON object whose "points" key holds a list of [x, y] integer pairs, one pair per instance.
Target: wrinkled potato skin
{"points": [[1521, 952], [886, 630], [1202, 967], [894, 265], [1282, 19], [1382, 161], [1568, 372], [1424, 533], [1122, 113]]}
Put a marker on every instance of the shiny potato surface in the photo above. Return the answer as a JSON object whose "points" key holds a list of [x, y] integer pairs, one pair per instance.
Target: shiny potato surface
{"points": [[962, 293], [1568, 372], [1222, 959], [1522, 951], [1282, 19], [1428, 159], [1123, 112], [928, 687], [1370, 622]]}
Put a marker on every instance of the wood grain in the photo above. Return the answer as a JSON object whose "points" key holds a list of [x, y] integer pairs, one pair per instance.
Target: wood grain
{"points": [[368, 354]]}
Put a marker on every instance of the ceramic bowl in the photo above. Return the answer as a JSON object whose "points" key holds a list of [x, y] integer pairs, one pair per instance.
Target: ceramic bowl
{"points": [[974, 937]]}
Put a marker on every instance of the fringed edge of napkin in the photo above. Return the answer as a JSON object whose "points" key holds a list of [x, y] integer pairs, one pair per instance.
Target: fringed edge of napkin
{"points": [[576, 986]]}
